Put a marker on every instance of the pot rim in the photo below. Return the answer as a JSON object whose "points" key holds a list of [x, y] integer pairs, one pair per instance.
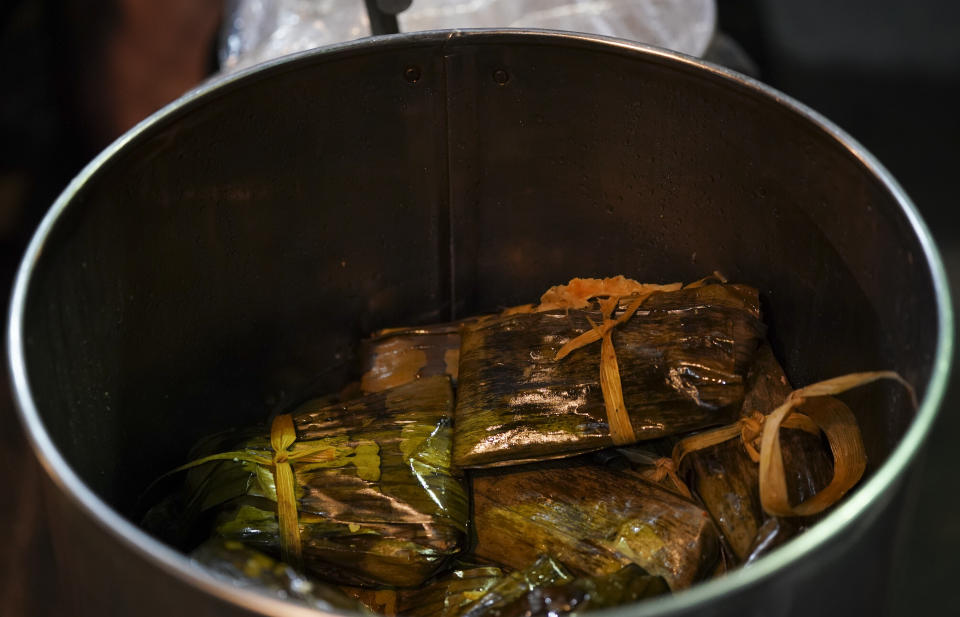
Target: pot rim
{"points": [[876, 490]]}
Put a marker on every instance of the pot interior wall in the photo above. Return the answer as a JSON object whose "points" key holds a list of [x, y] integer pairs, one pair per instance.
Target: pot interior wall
{"points": [[232, 253]]}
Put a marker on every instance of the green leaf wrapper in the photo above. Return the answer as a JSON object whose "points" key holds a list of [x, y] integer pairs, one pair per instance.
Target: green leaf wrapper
{"points": [[244, 567], [593, 519], [683, 359], [378, 500]]}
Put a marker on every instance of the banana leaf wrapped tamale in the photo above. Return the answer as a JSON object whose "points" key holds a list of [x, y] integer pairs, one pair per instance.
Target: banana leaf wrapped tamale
{"points": [[246, 568], [726, 478], [451, 594], [377, 499], [628, 584], [593, 519], [513, 587], [683, 357], [544, 587], [576, 595], [395, 356], [444, 596], [379, 507]]}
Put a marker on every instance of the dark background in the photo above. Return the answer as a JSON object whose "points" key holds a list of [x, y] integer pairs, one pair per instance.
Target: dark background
{"points": [[887, 72], [75, 74]]}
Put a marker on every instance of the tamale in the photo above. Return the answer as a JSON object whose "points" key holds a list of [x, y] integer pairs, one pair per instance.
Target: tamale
{"points": [[593, 519], [246, 568], [450, 594], [683, 357], [629, 584], [726, 479], [515, 586], [396, 356], [378, 503]]}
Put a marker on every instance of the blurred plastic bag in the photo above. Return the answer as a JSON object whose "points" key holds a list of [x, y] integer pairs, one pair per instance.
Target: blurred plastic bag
{"points": [[259, 30]]}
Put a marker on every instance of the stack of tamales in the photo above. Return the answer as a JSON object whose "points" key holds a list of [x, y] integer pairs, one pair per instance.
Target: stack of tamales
{"points": [[496, 467]]}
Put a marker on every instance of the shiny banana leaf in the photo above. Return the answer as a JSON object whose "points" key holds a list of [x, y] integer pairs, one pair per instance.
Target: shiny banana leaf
{"points": [[182, 516], [396, 356], [593, 519], [547, 588], [627, 585], [774, 532], [379, 503], [726, 479], [379, 601], [450, 594], [243, 567], [513, 588], [683, 358]]}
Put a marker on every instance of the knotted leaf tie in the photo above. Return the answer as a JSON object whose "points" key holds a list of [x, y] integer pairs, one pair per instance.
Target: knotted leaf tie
{"points": [[621, 431], [760, 435], [663, 468], [283, 435], [749, 428]]}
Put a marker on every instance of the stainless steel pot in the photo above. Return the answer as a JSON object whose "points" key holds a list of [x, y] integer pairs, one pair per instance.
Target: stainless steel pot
{"points": [[235, 246]]}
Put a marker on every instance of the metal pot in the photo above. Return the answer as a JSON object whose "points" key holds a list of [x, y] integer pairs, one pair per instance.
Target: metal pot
{"points": [[235, 246]]}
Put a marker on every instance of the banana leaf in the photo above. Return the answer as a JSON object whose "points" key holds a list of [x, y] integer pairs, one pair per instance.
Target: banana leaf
{"points": [[515, 586], [545, 588], [379, 601], [726, 479], [450, 594], [774, 532], [183, 516], [379, 505], [627, 585], [593, 519], [246, 568], [683, 360], [396, 356]]}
